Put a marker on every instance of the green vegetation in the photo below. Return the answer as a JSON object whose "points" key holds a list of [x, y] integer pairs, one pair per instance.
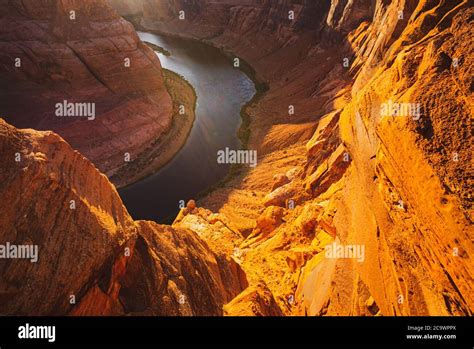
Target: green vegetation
{"points": [[260, 88]]}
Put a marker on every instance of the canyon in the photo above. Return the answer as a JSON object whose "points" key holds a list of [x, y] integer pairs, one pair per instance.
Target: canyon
{"points": [[84, 53], [221, 91], [336, 171]]}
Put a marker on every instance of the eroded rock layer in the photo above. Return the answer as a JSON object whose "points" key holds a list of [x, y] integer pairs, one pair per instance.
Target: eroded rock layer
{"points": [[339, 168], [53, 52], [93, 259]]}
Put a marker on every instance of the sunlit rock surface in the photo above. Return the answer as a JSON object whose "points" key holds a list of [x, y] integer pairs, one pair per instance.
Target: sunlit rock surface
{"points": [[93, 259]]}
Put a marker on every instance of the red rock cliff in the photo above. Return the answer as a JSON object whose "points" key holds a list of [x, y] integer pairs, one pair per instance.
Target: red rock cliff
{"points": [[93, 259], [49, 54]]}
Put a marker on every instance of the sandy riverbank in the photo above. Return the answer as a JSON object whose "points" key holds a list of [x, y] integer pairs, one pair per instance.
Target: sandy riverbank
{"points": [[167, 146]]}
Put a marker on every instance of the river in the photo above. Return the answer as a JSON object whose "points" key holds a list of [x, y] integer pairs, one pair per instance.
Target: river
{"points": [[222, 90]]}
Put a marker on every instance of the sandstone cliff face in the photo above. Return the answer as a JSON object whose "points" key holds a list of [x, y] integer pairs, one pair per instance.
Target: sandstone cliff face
{"points": [[93, 259], [339, 170], [394, 191], [50, 54], [254, 301], [171, 272], [397, 201]]}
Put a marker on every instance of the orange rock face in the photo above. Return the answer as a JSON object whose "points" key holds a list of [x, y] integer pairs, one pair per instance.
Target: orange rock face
{"points": [[93, 259], [361, 202], [171, 272], [395, 200], [81, 52], [254, 301], [390, 193]]}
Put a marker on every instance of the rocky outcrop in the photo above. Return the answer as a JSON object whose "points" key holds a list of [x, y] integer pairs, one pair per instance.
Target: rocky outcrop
{"points": [[53, 52], [171, 272], [346, 15], [93, 259], [254, 301], [394, 203], [396, 185]]}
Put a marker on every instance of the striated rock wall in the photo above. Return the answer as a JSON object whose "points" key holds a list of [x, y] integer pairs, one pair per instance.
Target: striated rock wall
{"points": [[93, 259], [49, 54], [397, 201], [344, 171]]}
